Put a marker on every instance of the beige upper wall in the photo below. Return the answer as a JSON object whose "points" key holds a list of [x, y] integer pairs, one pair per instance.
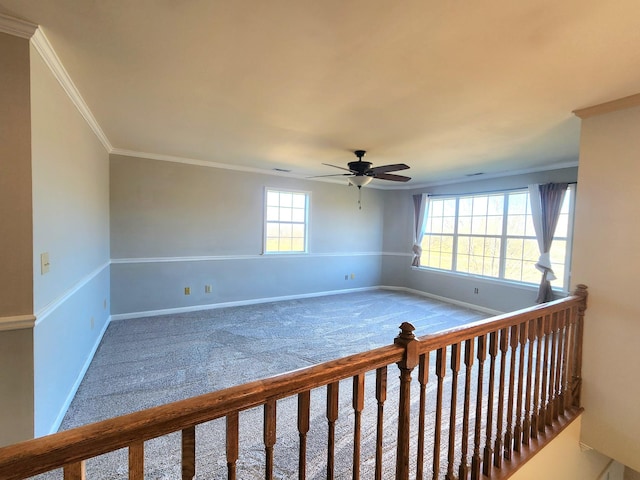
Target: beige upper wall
{"points": [[564, 459], [15, 178], [166, 209], [70, 190], [607, 259], [16, 298]]}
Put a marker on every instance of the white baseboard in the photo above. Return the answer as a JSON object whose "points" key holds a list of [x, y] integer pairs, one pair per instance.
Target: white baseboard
{"points": [[459, 303], [239, 303], [74, 389]]}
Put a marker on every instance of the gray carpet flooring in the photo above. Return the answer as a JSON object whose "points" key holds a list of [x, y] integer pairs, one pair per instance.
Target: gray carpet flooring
{"points": [[150, 361]]}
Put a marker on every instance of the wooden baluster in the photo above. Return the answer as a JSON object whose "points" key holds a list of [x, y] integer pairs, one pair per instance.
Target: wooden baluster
{"points": [[188, 453], [423, 378], [409, 361], [539, 329], [570, 333], [508, 436], [526, 429], [488, 444], [576, 374], [562, 362], [269, 436], [304, 404], [476, 460], [75, 471], [332, 416], [136, 461], [358, 406], [232, 444], [468, 365], [542, 414], [455, 369], [517, 436], [381, 397], [441, 365], [551, 398], [504, 348]]}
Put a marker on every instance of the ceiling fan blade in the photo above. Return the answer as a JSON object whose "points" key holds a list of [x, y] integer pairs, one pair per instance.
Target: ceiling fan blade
{"points": [[388, 168], [332, 175], [392, 177], [336, 166]]}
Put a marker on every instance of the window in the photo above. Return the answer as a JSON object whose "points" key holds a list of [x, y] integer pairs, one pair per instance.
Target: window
{"points": [[492, 235], [286, 221]]}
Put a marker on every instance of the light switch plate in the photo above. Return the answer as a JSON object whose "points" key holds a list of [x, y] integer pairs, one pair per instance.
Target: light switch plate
{"points": [[44, 263]]}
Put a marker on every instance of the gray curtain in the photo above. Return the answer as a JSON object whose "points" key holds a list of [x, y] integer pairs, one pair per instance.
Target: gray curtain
{"points": [[420, 208], [546, 202]]}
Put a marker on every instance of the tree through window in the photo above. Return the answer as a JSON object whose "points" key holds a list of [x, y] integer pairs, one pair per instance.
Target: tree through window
{"points": [[492, 235]]}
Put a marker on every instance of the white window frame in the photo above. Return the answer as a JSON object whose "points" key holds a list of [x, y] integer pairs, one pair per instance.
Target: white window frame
{"points": [[266, 221], [503, 239]]}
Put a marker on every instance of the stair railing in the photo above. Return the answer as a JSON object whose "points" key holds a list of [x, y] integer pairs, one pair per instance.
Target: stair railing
{"points": [[503, 388]]}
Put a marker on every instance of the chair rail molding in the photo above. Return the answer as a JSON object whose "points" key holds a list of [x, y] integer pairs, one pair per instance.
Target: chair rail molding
{"points": [[17, 322]]}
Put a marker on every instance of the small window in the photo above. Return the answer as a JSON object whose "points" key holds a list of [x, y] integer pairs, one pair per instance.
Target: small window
{"points": [[286, 221]]}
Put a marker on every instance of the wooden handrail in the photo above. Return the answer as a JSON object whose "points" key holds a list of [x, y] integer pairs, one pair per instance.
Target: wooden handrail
{"points": [[557, 324], [42, 454]]}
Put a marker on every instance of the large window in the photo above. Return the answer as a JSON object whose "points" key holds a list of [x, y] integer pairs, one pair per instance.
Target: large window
{"points": [[285, 221], [492, 235]]}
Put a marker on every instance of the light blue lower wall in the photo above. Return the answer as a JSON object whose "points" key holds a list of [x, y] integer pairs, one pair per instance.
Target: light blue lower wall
{"points": [[492, 294], [155, 286], [64, 343]]}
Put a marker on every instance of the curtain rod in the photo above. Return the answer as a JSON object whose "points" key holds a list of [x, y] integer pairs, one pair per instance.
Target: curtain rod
{"points": [[502, 190]]}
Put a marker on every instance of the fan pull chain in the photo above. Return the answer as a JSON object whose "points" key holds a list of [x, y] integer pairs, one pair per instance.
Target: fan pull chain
{"points": [[359, 198]]}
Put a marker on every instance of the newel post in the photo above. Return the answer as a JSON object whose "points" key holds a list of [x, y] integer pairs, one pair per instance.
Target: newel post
{"points": [[406, 339], [581, 291]]}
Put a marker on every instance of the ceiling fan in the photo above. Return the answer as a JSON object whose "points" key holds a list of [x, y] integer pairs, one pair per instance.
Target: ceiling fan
{"points": [[361, 173]]}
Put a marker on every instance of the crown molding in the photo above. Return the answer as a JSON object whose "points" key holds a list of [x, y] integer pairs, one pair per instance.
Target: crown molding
{"points": [[608, 107], [17, 27], [28, 30], [490, 176], [48, 54]]}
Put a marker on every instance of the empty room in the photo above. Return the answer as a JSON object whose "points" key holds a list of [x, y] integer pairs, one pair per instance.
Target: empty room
{"points": [[318, 239]]}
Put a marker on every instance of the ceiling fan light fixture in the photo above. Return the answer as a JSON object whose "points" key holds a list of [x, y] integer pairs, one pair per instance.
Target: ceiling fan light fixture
{"points": [[360, 180]]}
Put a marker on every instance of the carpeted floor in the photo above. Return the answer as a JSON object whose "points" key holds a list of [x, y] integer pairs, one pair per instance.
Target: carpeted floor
{"points": [[150, 361]]}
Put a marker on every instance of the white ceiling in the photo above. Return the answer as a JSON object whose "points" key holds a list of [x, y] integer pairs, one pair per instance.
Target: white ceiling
{"points": [[450, 87]]}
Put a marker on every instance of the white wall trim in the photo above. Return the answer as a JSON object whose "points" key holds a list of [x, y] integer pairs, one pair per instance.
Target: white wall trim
{"points": [[239, 303], [24, 29], [226, 166], [74, 389], [255, 301], [200, 163], [17, 322], [55, 304], [491, 176], [212, 258], [470, 306], [386, 186], [48, 54], [17, 27]]}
